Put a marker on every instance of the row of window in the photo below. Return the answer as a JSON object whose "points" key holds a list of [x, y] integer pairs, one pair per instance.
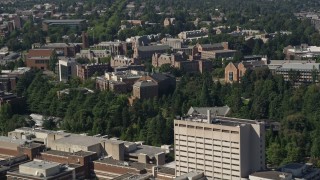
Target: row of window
{"points": [[207, 129]]}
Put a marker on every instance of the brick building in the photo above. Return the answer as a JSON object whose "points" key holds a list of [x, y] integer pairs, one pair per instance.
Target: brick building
{"points": [[115, 48], [39, 58], [166, 83], [62, 49], [234, 71], [120, 81], [213, 51], [146, 52], [38, 169], [88, 70], [179, 60], [82, 158], [121, 60], [145, 89], [46, 24]]}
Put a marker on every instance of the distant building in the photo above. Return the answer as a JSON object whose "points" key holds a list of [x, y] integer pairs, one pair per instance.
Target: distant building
{"points": [[9, 79], [133, 22], [217, 111], [67, 69], [179, 60], [146, 52], [115, 48], [119, 82], [299, 72], [169, 22], [94, 54], [302, 171], [121, 60], [10, 98], [13, 146], [85, 40], [137, 41], [213, 51], [192, 175], [304, 51], [195, 34], [73, 90], [102, 146], [62, 49], [234, 71], [39, 58], [221, 147], [174, 43], [86, 71], [46, 24], [145, 90], [130, 67], [159, 59], [166, 83], [270, 175]]}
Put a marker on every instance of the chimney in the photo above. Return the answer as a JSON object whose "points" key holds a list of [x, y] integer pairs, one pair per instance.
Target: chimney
{"points": [[209, 116]]}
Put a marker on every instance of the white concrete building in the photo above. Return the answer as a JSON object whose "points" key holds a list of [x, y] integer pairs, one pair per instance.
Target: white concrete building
{"points": [[221, 147]]}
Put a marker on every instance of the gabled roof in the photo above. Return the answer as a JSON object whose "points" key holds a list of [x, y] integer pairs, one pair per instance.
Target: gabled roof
{"points": [[218, 111]]}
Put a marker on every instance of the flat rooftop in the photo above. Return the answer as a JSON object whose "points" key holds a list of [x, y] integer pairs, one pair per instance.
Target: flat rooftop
{"points": [[40, 164], [148, 150], [276, 175], [12, 140], [218, 120], [129, 176], [84, 140], [135, 165], [300, 66], [191, 175], [32, 130], [62, 153]]}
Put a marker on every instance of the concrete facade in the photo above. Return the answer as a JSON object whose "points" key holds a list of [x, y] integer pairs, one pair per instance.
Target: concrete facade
{"points": [[222, 148]]}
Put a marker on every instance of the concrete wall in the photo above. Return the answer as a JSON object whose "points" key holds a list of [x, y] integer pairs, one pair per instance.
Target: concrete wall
{"points": [[116, 150], [38, 171]]}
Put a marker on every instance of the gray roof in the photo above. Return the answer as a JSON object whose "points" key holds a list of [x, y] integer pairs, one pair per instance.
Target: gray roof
{"points": [[84, 140], [275, 175], [294, 166], [220, 111], [191, 175], [154, 48], [9, 139], [160, 76], [40, 164], [215, 45], [144, 84], [301, 66], [148, 150]]}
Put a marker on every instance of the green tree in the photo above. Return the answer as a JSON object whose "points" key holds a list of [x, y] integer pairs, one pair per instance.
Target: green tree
{"points": [[53, 61]]}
